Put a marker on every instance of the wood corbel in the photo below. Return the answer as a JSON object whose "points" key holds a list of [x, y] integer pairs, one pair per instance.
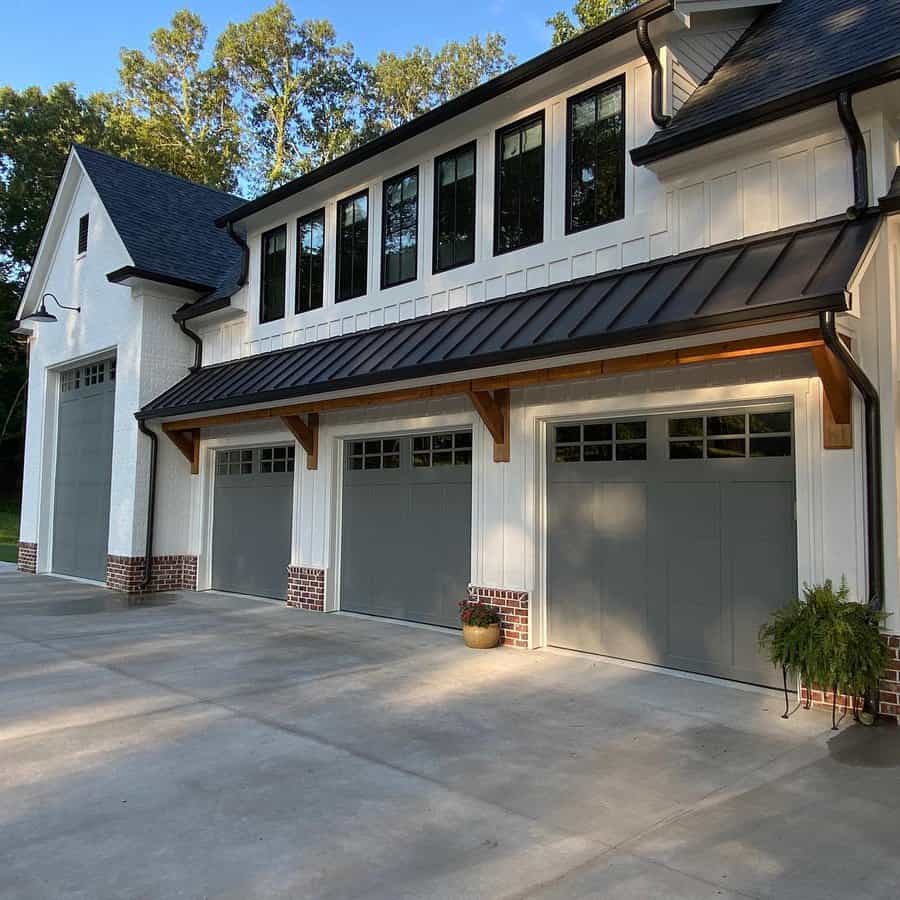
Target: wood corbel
{"points": [[493, 409], [307, 435], [837, 407], [188, 442]]}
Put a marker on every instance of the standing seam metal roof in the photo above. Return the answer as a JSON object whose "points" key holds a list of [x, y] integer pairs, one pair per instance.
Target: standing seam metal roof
{"points": [[795, 272]]}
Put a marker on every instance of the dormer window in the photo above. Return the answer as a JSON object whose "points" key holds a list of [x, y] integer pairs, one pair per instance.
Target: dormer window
{"points": [[83, 234]]}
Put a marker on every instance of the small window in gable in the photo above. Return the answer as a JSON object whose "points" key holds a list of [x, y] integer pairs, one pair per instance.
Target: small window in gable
{"points": [[83, 234]]}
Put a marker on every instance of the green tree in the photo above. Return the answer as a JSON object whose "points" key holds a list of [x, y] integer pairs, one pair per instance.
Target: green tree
{"points": [[174, 113], [297, 89], [459, 67], [36, 130], [588, 14], [402, 87]]}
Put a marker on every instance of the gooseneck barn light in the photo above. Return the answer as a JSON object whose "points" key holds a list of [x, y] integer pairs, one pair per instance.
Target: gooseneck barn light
{"points": [[43, 316]]}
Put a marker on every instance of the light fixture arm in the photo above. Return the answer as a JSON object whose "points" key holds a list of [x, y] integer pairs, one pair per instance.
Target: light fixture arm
{"points": [[60, 305]]}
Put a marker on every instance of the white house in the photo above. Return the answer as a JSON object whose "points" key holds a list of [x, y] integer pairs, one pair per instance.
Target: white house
{"points": [[610, 341]]}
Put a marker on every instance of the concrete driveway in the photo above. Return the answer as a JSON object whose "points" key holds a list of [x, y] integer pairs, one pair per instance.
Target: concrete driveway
{"points": [[212, 746]]}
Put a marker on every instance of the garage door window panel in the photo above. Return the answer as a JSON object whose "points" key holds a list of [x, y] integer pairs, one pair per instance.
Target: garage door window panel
{"points": [[374, 454], [602, 442], [446, 449], [731, 436]]}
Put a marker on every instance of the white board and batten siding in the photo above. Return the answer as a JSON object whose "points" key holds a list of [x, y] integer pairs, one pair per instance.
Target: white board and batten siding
{"points": [[764, 189]]}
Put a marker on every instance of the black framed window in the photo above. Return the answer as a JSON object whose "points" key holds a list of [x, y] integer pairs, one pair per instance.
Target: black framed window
{"points": [[400, 229], [519, 177], [595, 156], [454, 208], [83, 223], [310, 262], [352, 246], [273, 275]]}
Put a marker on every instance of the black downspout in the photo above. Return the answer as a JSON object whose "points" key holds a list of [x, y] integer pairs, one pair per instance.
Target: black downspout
{"points": [[198, 342], [660, 119], [151, 503], [857, 153], [245, 258], [874, 496]]}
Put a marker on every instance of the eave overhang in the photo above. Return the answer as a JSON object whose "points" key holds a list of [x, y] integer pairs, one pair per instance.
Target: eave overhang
{"points": [[890, 202], [129, 275], [200, 308], [776, 277], [669, 144]]}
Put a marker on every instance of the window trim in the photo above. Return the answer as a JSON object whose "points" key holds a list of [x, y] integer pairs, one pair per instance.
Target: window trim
{"points": [[301, 221], [618, 81], [262, 272], [435, 268], [350, 198], [384, 189], [519, 125]]}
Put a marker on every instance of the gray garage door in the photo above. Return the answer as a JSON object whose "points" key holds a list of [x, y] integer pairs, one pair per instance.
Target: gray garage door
{"points": [[252, 503], [406, 526], [83, 470], [672, 538]]}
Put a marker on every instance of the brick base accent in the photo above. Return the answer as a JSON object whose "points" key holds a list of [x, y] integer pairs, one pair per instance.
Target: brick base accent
{"points": [[889, 695], [167, 573], [513, 609], [27, 557], [306, 588]]}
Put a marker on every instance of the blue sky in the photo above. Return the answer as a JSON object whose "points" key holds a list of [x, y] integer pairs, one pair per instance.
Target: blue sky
{"points": [[44, 42]]}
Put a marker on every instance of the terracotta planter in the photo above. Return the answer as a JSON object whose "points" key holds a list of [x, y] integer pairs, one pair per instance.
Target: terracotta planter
{"points": [[481, 637]]}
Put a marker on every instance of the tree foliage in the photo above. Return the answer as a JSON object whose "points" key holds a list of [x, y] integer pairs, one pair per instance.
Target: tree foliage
{"points": [[405, 86], [585, 14], [173, 112]]}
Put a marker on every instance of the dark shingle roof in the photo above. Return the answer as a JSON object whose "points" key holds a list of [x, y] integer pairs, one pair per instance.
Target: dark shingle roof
{"points": [[795, 272], [788, 51], [166, 223]]}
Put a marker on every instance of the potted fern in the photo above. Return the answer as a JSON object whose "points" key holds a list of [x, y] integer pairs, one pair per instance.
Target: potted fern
{"points": [[480, 624], [830, 642]]}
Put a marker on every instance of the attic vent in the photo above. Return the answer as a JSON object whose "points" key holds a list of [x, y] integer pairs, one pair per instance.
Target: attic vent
{"points": [[82, 234]]}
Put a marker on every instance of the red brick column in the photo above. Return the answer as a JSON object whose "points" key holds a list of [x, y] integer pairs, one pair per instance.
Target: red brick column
{"points": [[513, 609], [167, 573], [27, 557], [889, 694], [306, 588]]}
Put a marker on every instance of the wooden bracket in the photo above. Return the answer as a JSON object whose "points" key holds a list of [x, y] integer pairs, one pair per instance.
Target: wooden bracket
{"points": [[493, 408], [837, 419], [307, 434], [188, 442]]}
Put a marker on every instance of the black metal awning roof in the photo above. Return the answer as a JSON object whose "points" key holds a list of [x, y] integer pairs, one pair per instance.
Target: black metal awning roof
{"points": [[787, 274]]}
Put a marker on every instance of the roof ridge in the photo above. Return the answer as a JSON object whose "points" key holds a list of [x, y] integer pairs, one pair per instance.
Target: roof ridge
{"points": [[81, 148]]}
